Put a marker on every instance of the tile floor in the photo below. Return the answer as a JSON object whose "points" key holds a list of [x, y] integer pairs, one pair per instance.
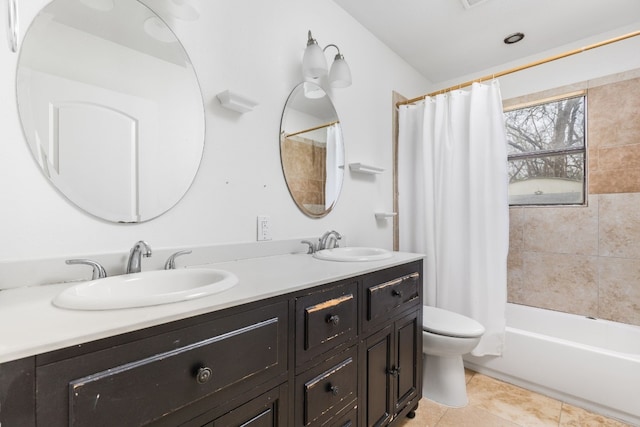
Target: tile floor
{"points": [[493, 403]]}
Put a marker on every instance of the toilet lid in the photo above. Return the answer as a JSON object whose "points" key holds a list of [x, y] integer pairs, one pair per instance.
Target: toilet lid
{"points": [[448, 323]]}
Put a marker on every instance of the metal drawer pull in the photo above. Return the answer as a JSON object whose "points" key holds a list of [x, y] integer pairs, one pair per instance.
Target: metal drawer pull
{"points": [[334, 318], [396, 293], [334, 389], [204, 375]]}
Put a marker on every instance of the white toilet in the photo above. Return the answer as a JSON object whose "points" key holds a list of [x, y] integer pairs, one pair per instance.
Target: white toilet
{"points": [[446, 336]]}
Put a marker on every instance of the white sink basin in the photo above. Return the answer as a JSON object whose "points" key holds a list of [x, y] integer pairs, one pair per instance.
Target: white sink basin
{"points": [[353, 254], [145, 289]]}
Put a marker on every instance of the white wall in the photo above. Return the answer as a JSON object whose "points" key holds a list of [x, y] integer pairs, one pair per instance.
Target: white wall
{"points": [[588, 65], [254, 48]]}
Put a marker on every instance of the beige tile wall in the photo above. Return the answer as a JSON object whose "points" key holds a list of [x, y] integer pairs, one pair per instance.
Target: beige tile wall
{"points": [[586, 260], [614, 137], [304, 163]]}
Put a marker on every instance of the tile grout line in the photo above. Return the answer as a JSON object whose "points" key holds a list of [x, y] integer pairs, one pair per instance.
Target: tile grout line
{"points": [[560, 415]]}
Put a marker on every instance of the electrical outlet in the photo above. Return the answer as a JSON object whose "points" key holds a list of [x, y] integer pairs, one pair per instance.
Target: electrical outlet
{"points": [[264, 227]]}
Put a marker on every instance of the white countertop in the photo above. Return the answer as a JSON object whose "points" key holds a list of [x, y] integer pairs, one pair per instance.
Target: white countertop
{"points": [[30, 324]]}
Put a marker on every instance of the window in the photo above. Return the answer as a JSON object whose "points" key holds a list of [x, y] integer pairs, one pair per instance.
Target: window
{"points": [[546, 152]]}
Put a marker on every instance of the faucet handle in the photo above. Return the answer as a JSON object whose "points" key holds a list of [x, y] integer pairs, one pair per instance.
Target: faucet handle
{"points": [[338, 237], [312, 246], [98, 270], [171, 261]]}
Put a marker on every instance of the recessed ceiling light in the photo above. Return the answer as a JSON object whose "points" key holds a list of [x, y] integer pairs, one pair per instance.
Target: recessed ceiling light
{"points": [[513, 38]]}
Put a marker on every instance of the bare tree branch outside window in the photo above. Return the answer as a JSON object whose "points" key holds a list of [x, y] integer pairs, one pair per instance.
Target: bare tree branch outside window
{"points": [[546, 147]]}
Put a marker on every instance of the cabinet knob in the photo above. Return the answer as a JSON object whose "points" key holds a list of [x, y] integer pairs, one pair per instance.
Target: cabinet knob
{"points": [[204, 375], [393, 371], [334, 318], [334, 389], [396, 293]]}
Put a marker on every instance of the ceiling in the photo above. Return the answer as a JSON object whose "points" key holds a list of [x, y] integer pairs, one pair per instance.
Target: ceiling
{"points": [[444, 40]]}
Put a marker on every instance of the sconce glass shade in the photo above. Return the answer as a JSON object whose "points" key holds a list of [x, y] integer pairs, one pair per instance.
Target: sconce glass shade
{"points": [[340, 74], [314, 64], [313, 91]]}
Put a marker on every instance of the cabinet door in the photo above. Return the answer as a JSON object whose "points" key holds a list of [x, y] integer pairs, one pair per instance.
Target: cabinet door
{"points": [[391, 370], [407, 372], [17, 388], [376, 363]]}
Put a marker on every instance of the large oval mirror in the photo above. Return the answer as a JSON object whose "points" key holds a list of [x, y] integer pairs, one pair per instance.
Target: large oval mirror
{"points": [[111, 107], [312, 149]]}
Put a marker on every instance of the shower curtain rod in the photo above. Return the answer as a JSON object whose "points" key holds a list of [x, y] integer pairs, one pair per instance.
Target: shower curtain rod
{"points": [[520, 68], [326, 125]]}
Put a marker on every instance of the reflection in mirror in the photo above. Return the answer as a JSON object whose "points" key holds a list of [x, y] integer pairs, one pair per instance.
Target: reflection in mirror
{"points": [[312, 149], [111, 107]]}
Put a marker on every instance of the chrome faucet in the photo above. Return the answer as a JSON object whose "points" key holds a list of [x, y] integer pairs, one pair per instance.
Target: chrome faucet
{"points": [[134, 264], [329, 240]]}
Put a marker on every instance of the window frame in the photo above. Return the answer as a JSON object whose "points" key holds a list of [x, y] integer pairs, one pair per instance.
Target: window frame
{"points": [[564, 151]]}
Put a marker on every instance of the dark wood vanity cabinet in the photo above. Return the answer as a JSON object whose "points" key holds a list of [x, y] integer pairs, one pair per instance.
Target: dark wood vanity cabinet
{"points": [[390, 371], [17, 390], [166, 378], [391, 357], [344, 354], [379, 350]]}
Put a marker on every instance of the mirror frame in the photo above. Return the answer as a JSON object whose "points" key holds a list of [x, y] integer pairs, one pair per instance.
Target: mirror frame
{"points": [[325, 121]]}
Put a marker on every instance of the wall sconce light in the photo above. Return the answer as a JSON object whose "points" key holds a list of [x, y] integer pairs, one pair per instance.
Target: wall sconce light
{"points": [[314, 64]]}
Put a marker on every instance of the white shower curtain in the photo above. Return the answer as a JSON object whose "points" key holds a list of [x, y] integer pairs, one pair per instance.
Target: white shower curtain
{"points": [[334, 165], [452, 182]]}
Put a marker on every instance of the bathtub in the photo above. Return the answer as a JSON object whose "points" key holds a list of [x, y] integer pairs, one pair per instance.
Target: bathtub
{"points": [[590, 363]]}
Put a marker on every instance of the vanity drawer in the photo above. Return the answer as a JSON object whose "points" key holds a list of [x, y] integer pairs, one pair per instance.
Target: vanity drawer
{"points": [[349, 419], [325, 319], [389, 294], [267, 410], [247, 350], [327, 389]]}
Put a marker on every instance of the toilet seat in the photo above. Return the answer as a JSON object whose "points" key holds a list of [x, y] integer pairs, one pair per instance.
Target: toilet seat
{"points": [[448, 323]]}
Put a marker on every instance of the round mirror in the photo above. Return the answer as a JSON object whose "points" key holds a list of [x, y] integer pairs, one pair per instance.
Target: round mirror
{"points": [[312, 149], [110, 107]]}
